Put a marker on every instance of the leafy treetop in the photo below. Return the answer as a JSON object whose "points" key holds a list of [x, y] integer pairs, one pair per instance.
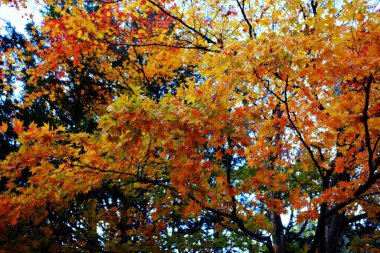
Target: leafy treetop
{"points": [[280, 115]]}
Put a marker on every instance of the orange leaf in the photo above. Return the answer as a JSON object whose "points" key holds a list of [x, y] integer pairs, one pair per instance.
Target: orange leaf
{"points": [[17, 126], [3, 128]]}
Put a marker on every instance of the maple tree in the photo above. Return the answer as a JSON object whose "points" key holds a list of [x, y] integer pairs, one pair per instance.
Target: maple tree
{"points": [[194, 125]]}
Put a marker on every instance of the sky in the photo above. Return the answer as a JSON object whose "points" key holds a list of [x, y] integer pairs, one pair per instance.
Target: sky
{"points": [[19, 18]]}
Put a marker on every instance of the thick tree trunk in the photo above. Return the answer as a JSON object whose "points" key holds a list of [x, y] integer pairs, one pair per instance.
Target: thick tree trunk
{"points": [[334, 225], [334, 233], [318, 242], [278, 234], [329, 234]]}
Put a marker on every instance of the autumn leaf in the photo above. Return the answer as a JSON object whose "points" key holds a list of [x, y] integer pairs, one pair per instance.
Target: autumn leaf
{"points": [[339, 165], [17, 126], [3, 127]]}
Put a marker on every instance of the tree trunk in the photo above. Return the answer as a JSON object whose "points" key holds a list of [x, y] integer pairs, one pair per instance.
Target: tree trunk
{"points": [[278, 234], [334, 233]]}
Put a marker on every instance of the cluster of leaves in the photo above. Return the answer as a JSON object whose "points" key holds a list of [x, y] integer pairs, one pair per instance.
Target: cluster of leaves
{"points": [[192, 126]]}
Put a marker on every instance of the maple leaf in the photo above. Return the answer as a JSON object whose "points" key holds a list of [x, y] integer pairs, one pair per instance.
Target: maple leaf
{"points": [[339, 165], [219, 154], [17, 126], [3, 127]]}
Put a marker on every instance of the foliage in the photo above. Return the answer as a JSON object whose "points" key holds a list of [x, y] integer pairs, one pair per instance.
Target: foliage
{"points": [[193, 126]]}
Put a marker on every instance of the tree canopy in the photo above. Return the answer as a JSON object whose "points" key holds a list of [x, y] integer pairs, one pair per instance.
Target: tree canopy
{"points": [[191, 126]]}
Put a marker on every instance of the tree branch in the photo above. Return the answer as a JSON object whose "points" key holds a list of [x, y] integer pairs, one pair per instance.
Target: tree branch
{"points": [[183, 22], [251, 32], [299, 134]]}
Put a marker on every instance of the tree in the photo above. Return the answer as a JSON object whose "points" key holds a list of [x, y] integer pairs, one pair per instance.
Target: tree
{"points": [[215, 117], [61, 227]]}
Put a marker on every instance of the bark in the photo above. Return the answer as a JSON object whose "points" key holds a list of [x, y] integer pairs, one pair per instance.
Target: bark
{"points": [[318, 242], [329, 234], [334, 232], [278, 234]]}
